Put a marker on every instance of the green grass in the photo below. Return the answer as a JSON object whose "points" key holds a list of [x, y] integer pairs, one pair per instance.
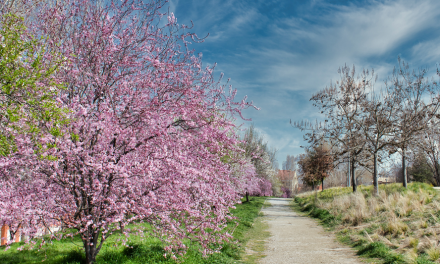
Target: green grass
{"points": [[424, 260], [380, 251], [142, 249], [256, 238]]}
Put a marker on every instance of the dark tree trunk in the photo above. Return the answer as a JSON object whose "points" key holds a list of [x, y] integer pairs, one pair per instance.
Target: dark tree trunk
{"points": [[353, 176], [90, 252], [322, 187], [247, 197], [90, 245], [405, 176], [375, 182], [437, 173], [349, 174], [13, 233]]}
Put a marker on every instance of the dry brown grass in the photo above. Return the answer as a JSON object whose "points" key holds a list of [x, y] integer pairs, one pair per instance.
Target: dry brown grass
{"points": [[355, 208], [406, 221], [411, 257]]}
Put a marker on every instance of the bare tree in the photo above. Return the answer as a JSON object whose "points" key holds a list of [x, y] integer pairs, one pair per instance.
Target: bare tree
{"points": [[413, 88], [337, 177], [428, 144], [290, 163], [341, 103], [379, 125]]}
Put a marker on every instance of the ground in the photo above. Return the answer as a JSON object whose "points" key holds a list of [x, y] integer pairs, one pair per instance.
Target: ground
{"points": [[299, 239]]}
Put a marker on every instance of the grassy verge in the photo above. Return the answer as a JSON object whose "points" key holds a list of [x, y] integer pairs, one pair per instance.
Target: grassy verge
{"points": [[398, 226], [256, 238], [143, 249]]}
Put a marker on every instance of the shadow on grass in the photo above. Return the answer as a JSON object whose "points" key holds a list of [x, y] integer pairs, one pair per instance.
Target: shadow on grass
{"points": [[138, 253], [69, 251], [35, 256]]}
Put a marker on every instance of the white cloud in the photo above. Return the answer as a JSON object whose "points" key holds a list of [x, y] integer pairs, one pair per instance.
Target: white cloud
{"points": [[380, 27], [280, 64], [173, 5], [349, 35], [427, 52]]}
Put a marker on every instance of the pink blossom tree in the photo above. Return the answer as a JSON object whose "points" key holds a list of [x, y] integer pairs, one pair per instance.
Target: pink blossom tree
{"points": [[262, 159], [247, 181], [148, 128]]}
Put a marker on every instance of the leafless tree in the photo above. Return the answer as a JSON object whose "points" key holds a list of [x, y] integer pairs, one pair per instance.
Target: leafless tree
{"points": [[378, 125], [428, 143], [418, 103], [342, 103], [290, 163]]}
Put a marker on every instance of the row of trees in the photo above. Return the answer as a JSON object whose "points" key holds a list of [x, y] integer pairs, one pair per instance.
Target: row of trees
{"points": [[107, 118], [263, 159], [365, 124]]}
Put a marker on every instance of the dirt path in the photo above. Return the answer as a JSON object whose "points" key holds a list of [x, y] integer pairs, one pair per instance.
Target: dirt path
{"points": [[299, 239]]}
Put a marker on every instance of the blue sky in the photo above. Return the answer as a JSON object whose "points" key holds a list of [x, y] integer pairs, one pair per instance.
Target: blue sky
{"points": [[280, 52]]}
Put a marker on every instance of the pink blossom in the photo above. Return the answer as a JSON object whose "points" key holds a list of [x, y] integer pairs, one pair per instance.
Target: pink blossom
{"points": [[145, 141]]}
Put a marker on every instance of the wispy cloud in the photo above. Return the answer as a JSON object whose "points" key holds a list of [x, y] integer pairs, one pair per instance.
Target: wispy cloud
{"points": [[427, 52], [302, 54], [279, 53]]}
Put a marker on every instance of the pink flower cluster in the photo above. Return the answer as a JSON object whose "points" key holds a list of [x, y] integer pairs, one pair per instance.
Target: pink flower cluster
{"points": [[148, 128]]}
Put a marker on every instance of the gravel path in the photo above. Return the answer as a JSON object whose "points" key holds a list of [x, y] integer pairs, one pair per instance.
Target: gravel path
{"points": [[299, 239]]}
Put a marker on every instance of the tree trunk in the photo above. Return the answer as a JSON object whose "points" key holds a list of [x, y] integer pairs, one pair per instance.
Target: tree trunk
{"points": [[437, 173], [405, 176], [353, 176], [349, 174], [90, 252], [247, 197], [375, 182], [90, 241], [322, 185]]}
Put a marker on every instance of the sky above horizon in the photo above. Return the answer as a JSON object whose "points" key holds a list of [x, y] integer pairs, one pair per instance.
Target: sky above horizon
{"points": [[280, 52]]}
